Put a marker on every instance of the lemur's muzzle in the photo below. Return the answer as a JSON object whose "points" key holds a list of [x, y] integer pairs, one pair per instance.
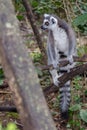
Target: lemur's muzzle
{"points": [[42, 27]]}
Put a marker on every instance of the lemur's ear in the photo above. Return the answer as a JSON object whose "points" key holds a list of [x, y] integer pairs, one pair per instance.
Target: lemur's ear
{"points": [[53, 20], [46, 15]]}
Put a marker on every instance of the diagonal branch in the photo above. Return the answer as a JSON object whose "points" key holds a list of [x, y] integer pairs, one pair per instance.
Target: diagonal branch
{"points": [[64, 62], [67, 76], [32, 20]]}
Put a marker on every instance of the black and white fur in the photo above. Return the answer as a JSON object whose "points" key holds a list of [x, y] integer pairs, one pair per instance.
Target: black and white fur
{"points": [[61, 41]]}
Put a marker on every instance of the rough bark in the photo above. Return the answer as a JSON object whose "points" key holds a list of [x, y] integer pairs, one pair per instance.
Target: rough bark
{"points": [[31, 19], [20, 73]]}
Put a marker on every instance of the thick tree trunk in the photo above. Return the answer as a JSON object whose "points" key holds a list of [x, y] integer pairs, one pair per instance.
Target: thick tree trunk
{"points": [[20, 73]]}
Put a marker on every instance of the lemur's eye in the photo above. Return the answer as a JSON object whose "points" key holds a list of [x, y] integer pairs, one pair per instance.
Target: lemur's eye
{"points": [[46, 23]]}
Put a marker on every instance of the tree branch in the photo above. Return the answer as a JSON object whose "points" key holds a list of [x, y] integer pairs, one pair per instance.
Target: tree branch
{"points": [[31, 19], [64, 62], [67, 76]]}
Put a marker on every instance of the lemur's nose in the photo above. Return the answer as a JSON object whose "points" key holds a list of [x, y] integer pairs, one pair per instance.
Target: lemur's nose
{"points": [[42, 27]]}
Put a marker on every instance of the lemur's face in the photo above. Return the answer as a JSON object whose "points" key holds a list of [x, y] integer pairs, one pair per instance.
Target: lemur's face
{"points": [[49, 22]]}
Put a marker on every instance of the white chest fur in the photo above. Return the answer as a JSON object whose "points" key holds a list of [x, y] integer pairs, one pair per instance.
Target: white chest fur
{"points": [[61, 40]]}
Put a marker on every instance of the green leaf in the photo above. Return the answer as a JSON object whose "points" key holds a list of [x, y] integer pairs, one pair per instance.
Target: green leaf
{"points": [[39, 72], [1, 127], [1, 74], [82, 129], [35, 4], [20, 17], [80, 20], [1, 81], [85, 92], [75, 107], [83, 115], [11, 126]]}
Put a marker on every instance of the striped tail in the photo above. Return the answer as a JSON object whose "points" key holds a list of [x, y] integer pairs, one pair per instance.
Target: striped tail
{"points": [[65, 100]]}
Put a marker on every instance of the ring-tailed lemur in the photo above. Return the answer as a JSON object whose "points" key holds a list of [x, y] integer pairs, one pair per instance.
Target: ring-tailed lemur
{"points": [[61, 42]]}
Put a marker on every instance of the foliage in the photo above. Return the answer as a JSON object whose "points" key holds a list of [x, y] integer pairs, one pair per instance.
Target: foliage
{"points": [[10, 126], [12, 114], [75, 107], [36, 56], [80, 10], [77, 111], [39, 72], [82, 50], [19, 9], [40, 7], [18, 6], [1, 76], [83, 115], [45, 6], [1, 73], [81, 22], [57, 7]]}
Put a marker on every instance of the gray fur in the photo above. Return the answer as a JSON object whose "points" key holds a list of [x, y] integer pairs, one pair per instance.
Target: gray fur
{"points": [[70, 34], [61, 41]]}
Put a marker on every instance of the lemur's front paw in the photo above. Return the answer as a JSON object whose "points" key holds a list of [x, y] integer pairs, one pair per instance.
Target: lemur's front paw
{"points": [[70, 58], [56, 81]]}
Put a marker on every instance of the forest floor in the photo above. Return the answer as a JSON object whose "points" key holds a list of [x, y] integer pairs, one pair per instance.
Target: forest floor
{"points": [[79, 95]]}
